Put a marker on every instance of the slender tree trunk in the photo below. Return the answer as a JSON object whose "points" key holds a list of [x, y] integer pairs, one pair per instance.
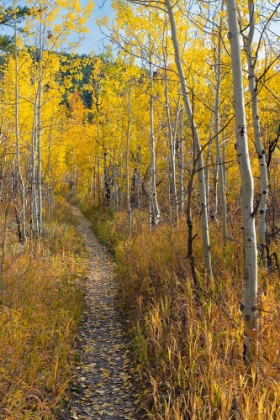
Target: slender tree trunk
{"points": [[182, 163], [201, 177], [154, 212], [264, 186], [3, 170], [48, 184], [33, 199], [207, 172], [217, 130], [115, 184], [172, 164], [21, 214], [128, 203], [107, 181], [249, 305], [98, 180], [191, 237], [3, 254], [39, 132], [138, 179], [94, 180]]}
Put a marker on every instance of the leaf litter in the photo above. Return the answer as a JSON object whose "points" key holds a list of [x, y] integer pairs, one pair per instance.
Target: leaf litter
{"points": [[105, 384]]}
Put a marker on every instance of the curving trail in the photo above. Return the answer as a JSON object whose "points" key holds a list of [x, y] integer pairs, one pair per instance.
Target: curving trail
{"points": [[105, 385]]}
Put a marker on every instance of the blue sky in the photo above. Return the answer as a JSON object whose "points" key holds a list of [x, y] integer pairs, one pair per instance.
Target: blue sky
{"points": [[93, 39]]}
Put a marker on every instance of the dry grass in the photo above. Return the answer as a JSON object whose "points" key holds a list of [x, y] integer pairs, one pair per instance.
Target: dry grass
{"points": [[189, 346], [41, 304]]}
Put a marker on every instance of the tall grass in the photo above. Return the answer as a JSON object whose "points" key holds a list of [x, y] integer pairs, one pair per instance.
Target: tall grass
{"points": [[41, 305], [190, 345]]}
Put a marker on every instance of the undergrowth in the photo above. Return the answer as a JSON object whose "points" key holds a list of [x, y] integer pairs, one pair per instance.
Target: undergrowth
{"points": [[189, 345], [41, 304]]}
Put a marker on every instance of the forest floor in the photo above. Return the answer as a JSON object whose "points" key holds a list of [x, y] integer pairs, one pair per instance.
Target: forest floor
{"points": [[105, 384]]}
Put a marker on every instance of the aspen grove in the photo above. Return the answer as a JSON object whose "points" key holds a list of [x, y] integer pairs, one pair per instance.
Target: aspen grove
{"points": [[168, 141]]}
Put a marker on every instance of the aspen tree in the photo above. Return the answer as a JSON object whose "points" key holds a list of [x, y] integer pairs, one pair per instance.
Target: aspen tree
{"points": [[264, 187], [172, 139], [200, 169], [128, 138], [39, 129], [219, 161], [115, 184], [34, 228], [249, 305], [182, 162], [208, 166], [19, 214], [154, 212]]}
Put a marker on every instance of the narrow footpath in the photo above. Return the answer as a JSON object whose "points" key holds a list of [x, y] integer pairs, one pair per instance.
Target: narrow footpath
{"points": [[105, 386]]}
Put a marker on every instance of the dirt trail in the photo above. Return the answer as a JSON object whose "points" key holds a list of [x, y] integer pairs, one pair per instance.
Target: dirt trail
{"points": [[105, 385]]}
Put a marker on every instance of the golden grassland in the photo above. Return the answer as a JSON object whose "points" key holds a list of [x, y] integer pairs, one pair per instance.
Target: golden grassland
{"points": [[189, 345], [41, 303]]}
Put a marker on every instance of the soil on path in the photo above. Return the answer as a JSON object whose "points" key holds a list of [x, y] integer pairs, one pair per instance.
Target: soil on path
{"points": [[105, 385]]}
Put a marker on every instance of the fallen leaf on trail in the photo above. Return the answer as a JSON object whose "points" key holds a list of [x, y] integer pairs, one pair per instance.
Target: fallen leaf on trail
{"points": [[105, 373]]}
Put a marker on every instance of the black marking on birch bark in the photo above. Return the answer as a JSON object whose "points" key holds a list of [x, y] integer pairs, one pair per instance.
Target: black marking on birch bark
{"points": [[242, 307], [247, 317]]}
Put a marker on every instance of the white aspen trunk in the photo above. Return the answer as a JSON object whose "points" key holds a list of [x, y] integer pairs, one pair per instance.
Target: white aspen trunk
{"points": [[201, 177], [175, 154], [94, 180], [224, 157], [249, 305], [215, 191], [139, 181], [207, 172], [115, 184], [150, 210], [33, 198], [172, 164], [98, 180], [182, 163], [168, 174], [39, 133], [121, 181], [154, 212], [217, 130], [22, 231], [48, 186], [3, 254], [128, 203], [3, 169], [264, 186], [34, 226], [39, 166], [107, 181]]}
